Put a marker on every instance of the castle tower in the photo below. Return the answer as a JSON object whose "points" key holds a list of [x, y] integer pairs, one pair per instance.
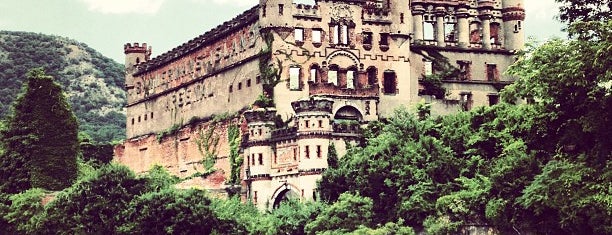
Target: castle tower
{"points": [[258, 153], [260, 123], [513, 15], [134, 55], [400, 11], [275, 13], [314, 132]]}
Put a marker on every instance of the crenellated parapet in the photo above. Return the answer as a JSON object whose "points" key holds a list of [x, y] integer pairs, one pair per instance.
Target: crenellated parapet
{"points": [[260, 115], [129, 48], [313, 104]]}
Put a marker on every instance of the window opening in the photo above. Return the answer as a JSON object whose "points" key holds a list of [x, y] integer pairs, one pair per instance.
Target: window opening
{"points": [[299, 34], [390, 83], [332, 75], [492, 73], [367, 38], [350, 79], [294, 78], [316, 35]]}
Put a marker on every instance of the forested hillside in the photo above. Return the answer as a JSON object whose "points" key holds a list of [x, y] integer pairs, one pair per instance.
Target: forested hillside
{"points": [[93, 83]]}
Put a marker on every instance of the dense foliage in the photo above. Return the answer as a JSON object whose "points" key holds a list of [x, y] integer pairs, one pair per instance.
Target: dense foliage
{"points": [[40, 142], [93, 83], [540, 167]]}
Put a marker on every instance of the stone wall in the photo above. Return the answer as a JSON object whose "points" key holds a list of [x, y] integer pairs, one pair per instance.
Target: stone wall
{"points": [[182, 152]]}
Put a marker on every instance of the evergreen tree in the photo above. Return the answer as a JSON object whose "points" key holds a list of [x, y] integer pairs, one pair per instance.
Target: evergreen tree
{"points": [[332, 157], [40, 139]]}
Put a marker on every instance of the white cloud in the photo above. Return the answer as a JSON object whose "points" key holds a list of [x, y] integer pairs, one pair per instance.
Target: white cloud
{"points": [[124, 6]]}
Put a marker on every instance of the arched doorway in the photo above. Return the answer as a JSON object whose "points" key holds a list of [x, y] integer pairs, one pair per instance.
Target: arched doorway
{"points": [[285, 195]]}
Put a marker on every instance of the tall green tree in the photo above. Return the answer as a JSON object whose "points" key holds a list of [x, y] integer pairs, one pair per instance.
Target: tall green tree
{"points": [[40, 139], [584, 10]]}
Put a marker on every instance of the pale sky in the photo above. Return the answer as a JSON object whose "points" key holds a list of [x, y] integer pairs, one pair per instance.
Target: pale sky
{"points": [[106, 25]]}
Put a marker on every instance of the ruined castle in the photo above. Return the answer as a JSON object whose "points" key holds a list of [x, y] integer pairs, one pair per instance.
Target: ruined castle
{"points": [[259, 100]]}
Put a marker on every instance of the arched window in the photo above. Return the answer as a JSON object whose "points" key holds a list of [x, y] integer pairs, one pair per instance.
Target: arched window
{"points": [[341, 34]]}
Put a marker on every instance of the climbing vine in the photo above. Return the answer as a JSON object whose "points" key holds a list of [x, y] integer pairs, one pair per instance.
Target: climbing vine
{"points": [[233, 138], [270, 75], [207, 141]]}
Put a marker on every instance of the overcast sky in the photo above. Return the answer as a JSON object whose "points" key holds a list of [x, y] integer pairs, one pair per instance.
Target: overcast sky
{"points": [[106, 25]]}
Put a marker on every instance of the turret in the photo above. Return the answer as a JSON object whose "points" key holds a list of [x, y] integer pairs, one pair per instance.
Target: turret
{"points": [[314, 130], [400, 13], [513, 15], [258, 156], [134, 55], [276, 13]]}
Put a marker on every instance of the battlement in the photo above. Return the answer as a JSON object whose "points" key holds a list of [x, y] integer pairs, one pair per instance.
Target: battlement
{"points": [[136, 48], [313, 104], [260, 115]]}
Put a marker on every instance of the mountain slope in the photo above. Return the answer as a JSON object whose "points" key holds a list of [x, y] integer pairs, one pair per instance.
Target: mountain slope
{"points": [[93, 83]]}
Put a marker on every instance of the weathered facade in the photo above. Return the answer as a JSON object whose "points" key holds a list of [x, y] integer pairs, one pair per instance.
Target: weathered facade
{"points": [[325, 67]]}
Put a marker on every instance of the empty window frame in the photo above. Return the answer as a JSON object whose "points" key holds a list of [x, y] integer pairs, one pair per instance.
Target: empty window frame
{"points": [[260, 159], [367, 38], [389, 82], [384, 39], [316, 36], [307, 151], [294, 78], [492, 74], [336, 34], [314, 73], [372, 80], [344, 34], [350, 79], [298, 34], [332, 75], [493, 99], [428, 67], [464, 70]]}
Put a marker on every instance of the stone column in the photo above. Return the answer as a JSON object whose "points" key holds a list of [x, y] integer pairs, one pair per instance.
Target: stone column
{"points": [[417, 12], [486, 31], [440, 12], [463, 27]]}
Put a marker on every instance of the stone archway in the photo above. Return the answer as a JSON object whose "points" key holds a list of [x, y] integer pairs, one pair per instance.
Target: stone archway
{"points": [[283, 196]]}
